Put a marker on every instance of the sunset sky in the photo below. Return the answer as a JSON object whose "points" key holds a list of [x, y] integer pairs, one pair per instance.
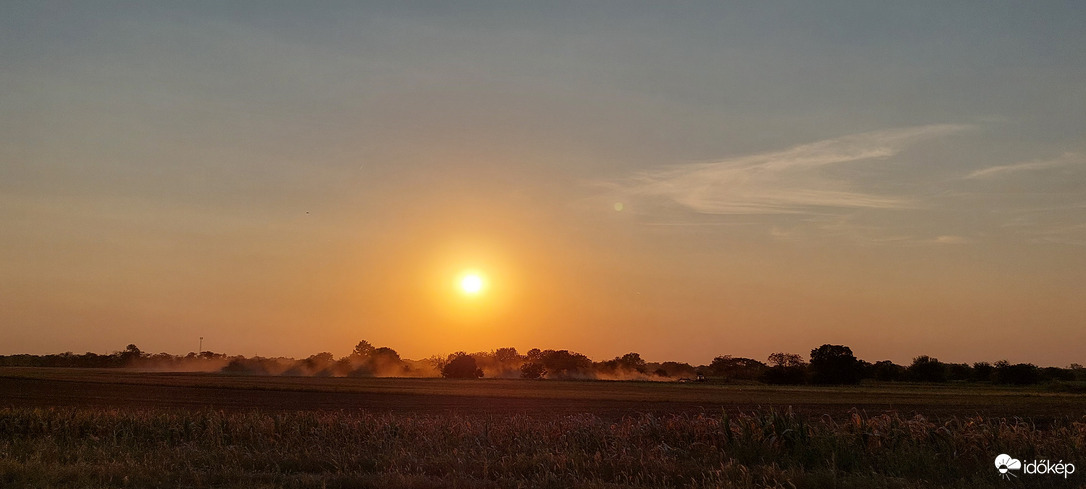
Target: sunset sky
{"points": [[678, 179]]}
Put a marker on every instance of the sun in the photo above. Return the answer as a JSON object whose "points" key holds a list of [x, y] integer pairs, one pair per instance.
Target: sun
{"points": [[472, 283]]}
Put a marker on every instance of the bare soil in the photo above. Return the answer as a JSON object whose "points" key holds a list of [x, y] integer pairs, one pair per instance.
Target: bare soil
{"points": [[126, 389]]}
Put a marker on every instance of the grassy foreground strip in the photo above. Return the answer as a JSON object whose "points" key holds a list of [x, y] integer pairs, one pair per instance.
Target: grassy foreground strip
{"points": [[73, 447]]}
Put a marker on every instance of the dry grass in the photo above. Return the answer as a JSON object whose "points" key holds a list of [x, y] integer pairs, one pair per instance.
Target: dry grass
{"points": [[73, 447]]}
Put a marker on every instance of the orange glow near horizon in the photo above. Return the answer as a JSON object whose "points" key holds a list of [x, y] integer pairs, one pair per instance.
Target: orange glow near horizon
{"points": [[466, 285]]}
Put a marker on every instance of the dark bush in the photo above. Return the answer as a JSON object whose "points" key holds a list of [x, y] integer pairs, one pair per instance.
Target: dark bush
{"points": [[1018, 374], [461, 366], [532, 370], [834, 364], [927, 369]]}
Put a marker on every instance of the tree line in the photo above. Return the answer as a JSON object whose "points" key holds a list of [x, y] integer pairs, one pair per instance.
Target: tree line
{"points": [[826, 365]]}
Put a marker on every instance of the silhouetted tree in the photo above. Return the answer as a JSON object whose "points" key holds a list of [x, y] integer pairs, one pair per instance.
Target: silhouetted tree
{"points": [[532, 370], [678, 369], [565, 364], [130, 355], [632, 361], [366, 360], [386, 354], [507, 355], [503, 362], [242, 365], [926, 369], [736, 368], [959, 372], [628, 363], [1078, 371], [834, 364], [983, 371], [363, 349], [461, 366], [1019, 373], [385, 361], [1057, 374], [210, 355], [866, 369], [788, 368], [781, 359], [886, 370], [320, 364]]}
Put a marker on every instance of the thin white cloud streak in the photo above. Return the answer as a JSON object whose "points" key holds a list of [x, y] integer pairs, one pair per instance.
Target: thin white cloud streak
{"points": [[783, 182], [950, 240], [999, 171], [1050, 224]]}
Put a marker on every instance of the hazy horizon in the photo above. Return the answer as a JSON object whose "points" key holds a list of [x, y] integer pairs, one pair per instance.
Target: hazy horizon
{"points": [[678, 180]]}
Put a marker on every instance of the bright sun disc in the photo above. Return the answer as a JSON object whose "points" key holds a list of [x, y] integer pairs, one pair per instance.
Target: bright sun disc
{"points": [[471, 284]]}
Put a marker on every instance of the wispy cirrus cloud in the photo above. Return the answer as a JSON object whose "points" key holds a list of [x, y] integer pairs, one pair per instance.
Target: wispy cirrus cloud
{"points": [[1065, 159], [792, 181]]}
